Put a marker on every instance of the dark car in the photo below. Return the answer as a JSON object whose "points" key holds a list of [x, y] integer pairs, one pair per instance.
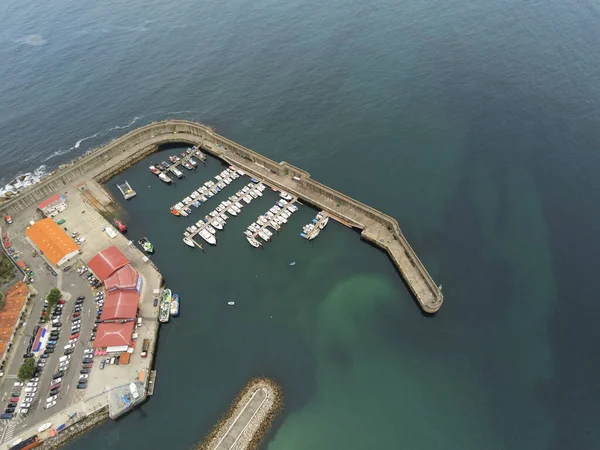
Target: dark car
{"points": [[54, 391], [7, 416], [44, 355], [66, 269], [85, 371], [80, 386], [81, 298], [15, 394], [87, 366], [78, 302], [57, 325], [58, 374], [77, 309], [28, 355], [12, 405], [69, 351], [35, 330], [87, 361], [49, 350], [54, 336], [9, 410]]}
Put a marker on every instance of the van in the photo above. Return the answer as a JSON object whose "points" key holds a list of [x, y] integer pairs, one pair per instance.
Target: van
{"points": [[139, 322]]}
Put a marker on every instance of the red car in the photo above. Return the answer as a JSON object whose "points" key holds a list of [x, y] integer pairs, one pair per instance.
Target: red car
{"points": [[14, 399], [61, 302], [74, 336], [43, 313], [77, 314], [55, 386]]}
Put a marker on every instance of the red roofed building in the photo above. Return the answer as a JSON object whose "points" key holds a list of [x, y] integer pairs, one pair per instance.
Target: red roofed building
{"points": [[126, 278], [120, 305], [114, 336], [53, 205], [107, 262]]}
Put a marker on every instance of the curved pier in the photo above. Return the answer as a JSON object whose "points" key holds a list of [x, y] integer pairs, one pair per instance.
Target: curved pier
{"points": [[249, 418], [377, 227]]}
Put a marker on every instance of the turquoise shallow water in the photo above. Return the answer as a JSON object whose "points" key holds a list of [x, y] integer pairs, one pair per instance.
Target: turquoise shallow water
{"points": [[474, 124]]}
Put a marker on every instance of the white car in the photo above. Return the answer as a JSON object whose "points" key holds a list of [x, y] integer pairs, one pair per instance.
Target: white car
{"points": [[23, 410], [64, 358], [83, 375], [68, 346], [29, 395], [51, 399], [34, 384], [88, 350], [73, 341], [18, 384], [50, 404], [76, 322], [30, 389], [56, 381], [26, 404], [80, 240], [35, 379]]}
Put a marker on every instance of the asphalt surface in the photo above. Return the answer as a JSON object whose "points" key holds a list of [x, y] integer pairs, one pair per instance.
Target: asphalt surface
{"points": [[72, 285]]}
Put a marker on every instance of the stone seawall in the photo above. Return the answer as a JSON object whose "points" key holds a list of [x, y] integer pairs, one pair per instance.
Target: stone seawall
{"points": [[377, 227], [75, 430]]}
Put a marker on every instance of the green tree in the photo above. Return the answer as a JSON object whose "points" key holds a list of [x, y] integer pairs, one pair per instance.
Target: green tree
{"points": [[27, 369], [53, 297], [2, 301]]}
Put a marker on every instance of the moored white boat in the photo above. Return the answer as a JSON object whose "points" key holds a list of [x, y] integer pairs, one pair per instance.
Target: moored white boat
{"points": [[253, 242], [324, 223], [210, 229], [165, 178], [285, 195], [264, 236], [211, 239], [188, 241]]}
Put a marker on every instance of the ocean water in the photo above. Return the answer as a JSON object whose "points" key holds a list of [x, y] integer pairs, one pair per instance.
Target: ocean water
{"points": [[473, 123]]}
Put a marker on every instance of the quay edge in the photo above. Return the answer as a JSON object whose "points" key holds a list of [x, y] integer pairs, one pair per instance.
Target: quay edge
{"points": [[119, 154]]}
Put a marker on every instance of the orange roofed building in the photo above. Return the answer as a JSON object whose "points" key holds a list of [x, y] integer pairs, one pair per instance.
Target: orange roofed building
{"points": [[56, 245]]}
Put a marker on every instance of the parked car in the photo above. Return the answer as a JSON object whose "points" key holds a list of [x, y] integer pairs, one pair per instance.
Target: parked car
{"points": [[56, 381], [51, 398], [9, 410], [68, 346], [55, 386], [87, 365], [28, 355], [8, 416], [61, 302], [54, 391], [83, 376], [88, 361], [74, 335], [50, 404], [30, 389], [23, 410], [81, 298], [102, 363], [88, 350], [80, 386], [112, 360], [32, 384], [14, 399], [30, 395], [18, 384], [66, 269], [69, 351], [49, 350], [75, 315], [58, 374]]}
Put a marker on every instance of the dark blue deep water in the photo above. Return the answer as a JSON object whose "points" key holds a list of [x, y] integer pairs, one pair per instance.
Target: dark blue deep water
{"points": [[475, 124]]}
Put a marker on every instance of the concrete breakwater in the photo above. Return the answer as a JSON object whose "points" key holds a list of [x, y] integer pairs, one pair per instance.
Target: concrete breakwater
{"points": [[376, 227], [249, 418]]}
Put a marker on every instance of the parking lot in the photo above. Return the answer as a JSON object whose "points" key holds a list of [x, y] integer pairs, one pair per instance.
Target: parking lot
{"points": [[89, 226]]}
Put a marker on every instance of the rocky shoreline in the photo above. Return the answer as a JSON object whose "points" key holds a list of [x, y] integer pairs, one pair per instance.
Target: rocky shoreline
{"points": [[259, 424], [72, 432]]}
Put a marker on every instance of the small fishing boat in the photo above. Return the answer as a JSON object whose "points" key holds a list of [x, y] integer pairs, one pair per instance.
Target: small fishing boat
{"points": [[175, 305], [193, 162], [210, 229], [285, 195], [293, 263], [154, 170], [232, 212], [178, 173], [188, 166], [165, 306], [165, 178], [265, 237], [314, 234], [217, 224], [253, 242], [146, 245], [120, 225], [173, 158], [175, 212], [188, 241], [231, 303]]}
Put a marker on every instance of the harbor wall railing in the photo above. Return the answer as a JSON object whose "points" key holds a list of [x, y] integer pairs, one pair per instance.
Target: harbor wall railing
{"points": [[119, 154]]}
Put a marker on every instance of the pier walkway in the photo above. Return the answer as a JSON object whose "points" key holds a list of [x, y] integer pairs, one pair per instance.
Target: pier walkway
{"points": [[318, 224], [377, 227]]}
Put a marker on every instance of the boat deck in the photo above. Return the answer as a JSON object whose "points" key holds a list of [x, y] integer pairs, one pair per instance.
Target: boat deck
{"points": [[316, 227], [195, 153], [126, 190]]}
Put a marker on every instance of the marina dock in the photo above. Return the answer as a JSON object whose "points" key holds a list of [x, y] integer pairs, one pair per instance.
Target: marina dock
{"points": [[376, 227], [319, 224]]}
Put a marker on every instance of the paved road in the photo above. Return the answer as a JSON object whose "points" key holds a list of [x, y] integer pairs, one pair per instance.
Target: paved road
{"points": [[72, 286]]}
